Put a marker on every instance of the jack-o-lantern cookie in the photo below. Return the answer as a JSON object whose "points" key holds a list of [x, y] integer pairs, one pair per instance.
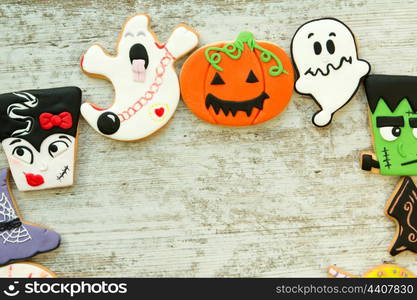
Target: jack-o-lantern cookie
{"points": [[38, 133], [25, 270], [144, 79], [238, 83], [329, 70], [381, 271]]}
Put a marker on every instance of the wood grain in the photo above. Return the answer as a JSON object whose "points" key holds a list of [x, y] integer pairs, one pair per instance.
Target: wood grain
{"points": [[278, 199]]}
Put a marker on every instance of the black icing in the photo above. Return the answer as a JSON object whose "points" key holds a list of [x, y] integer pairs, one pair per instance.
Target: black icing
{"points": [[217, 79], [403, 208], [234, 106], [108, 123], [251, 77], [317, 48], [397, 121], [413, 122], [392, 89], [368, 163], [330, 46], [138, 51], [54, 101]]}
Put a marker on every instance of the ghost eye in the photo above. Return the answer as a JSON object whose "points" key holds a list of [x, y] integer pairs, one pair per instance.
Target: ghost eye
{"points": [[217, 79], [317, 48], [330, 46], [58, 147], [251, 77], [390, 133], [23, 153]]}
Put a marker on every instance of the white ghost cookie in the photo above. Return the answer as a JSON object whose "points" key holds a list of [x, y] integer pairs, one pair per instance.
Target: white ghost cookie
{"points": [[326, 59], [144, 79]]}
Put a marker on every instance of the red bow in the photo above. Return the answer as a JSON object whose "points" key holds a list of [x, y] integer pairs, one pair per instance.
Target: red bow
{"points": [[48, 120]]}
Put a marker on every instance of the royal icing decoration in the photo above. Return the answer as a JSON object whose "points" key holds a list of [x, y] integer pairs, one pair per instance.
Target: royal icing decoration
{"points": [[393, 116], [326, 59], [402, 208], [238, 83], [381, 271], [38, 134], [18, 239], [25, 270], [142, 74]]}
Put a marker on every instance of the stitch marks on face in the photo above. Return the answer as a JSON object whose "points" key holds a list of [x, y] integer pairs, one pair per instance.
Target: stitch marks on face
{"points": [[64, 172]]}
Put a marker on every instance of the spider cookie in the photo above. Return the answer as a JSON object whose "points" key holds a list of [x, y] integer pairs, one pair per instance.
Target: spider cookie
{"points": [[329, 70], [26, 270], [240, 83], [393, 119], [144, 79], [19, 239], [402, 209], [381, 271], [38, 133]]}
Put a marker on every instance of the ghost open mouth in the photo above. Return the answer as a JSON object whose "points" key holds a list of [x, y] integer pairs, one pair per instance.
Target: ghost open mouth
{"points": [[234, 106], [329, 66], [140, 60]]}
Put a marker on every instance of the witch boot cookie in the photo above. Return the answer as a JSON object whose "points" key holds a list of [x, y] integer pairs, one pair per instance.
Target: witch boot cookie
{"points": [[144, 80], [20, 240]]}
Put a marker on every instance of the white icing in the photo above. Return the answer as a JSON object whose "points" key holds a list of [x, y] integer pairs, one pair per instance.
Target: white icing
{"points": [[118, 69], [25, 270], [50, 165], [343, 68]]}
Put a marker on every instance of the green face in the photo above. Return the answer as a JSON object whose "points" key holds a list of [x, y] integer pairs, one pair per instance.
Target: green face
{"points": [[395, 138]]}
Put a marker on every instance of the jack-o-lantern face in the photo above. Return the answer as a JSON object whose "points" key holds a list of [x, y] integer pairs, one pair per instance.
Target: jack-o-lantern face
{"points": [[241, 83]]}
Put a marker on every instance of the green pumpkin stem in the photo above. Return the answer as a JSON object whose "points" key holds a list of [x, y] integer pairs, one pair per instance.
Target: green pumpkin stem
{"points": [[234, 51]]}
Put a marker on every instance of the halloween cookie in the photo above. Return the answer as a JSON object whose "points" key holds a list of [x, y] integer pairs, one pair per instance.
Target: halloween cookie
{"points": [[38, 133], [144, 79], [20, 239], [381, 271], [329, 70], [238, 83], [402, 208], [26, 270], [393, 119]]}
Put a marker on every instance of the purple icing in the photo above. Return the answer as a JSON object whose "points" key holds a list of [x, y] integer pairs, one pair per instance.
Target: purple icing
{"points": [[22, 241]]}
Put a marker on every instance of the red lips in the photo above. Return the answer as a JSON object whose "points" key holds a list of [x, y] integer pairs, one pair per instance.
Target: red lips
{"points": [[33, 179]]}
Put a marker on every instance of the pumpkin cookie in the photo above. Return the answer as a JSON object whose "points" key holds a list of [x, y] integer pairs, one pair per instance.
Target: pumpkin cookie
{"points": [[381, 271], [240, 83]]}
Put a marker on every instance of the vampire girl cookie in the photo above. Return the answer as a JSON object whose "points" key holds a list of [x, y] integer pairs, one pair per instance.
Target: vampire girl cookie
{"points": [[19, 239], [329, 70], [238, 83], [393, 120], [25, 270], [381, 271], [402, 209], [144, 79], [39, 136]]}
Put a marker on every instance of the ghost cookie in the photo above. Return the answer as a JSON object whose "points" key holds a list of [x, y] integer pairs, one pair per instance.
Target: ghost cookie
{"points": [[329, 70], [381, 271], [26, 270], [393, 120], [144, 80], [239, 83], [19, 239], [38, 133], [402, 209]]}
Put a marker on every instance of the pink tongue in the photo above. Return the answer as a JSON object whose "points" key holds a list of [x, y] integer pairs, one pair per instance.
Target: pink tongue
{"points": [[138, 68]]}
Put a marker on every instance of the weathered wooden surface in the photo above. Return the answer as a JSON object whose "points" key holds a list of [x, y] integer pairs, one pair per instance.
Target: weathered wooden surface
{"points": [[279, 199]]}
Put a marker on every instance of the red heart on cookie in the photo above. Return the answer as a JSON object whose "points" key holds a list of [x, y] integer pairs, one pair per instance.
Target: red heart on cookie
{"points": [[159, 111]]}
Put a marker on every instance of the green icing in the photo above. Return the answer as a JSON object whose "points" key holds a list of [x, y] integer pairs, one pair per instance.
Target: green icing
{"points": [[392, 154], [234, 51]]}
